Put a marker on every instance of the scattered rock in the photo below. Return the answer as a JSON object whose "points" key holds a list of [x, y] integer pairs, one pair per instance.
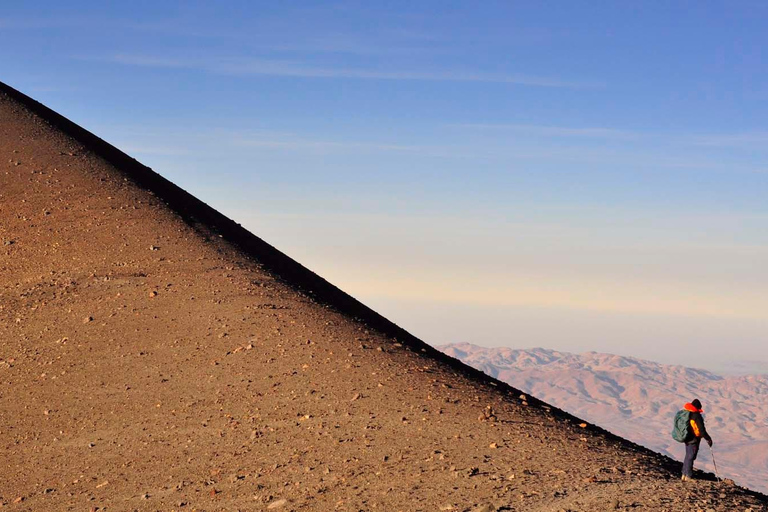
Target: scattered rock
{"points": [[87, 319], [152, 294], [485, 507], [277, 504], [488, 414]]}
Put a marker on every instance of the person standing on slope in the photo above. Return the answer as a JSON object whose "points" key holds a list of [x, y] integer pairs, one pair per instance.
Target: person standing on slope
{"points": [[696, 432]]}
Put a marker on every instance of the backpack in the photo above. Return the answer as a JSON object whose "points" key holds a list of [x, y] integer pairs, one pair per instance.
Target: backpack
{"points": [[680, 427]]}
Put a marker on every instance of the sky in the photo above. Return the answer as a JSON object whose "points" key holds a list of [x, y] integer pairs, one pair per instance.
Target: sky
{"points": [[571, 175]]}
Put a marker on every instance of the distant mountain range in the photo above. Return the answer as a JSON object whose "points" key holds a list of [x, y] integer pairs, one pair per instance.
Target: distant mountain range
{"points": [[637, 399]]}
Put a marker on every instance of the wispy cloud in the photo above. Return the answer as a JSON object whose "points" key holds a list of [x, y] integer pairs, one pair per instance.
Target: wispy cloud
{"points": [[144, 141], [500, 153], [141, 141], [285, 36], [290, 143], [156, 150], [554, 131], [301, 69], [323, 145], [341, 45], [59, 22], [33, 24], [746, 140]]}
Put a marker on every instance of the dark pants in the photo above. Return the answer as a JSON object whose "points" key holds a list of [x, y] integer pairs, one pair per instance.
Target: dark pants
{"points": [[691, 450]]}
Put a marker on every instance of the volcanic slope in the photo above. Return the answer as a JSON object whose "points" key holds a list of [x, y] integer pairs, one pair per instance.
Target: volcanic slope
{"points": [[156, 356]]}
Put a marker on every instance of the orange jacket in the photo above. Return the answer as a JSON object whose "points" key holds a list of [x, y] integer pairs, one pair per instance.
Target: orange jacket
{"points": [[697, 422]]}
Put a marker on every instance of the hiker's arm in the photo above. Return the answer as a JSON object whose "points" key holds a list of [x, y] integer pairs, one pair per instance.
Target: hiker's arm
{"points": [[703, 430]]}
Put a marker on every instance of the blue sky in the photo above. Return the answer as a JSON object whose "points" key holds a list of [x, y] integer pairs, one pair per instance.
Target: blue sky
{"points": [[574, 175]]}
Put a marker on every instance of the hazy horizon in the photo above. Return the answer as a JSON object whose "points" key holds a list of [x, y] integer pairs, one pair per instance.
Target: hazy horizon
{"points": [[586, 176]]}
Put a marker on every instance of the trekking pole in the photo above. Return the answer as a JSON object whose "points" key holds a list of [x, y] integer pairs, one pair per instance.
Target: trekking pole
{"points": [[713, 461]]}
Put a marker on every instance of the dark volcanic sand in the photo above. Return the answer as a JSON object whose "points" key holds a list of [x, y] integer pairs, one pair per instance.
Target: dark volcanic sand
{"points": [[155, 356]]}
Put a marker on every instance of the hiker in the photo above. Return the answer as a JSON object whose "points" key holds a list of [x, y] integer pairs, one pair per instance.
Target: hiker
{"points": [[695, 432]]}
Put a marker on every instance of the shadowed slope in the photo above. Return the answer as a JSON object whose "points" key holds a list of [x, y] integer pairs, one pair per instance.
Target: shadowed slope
{"points": [[154, 355]]}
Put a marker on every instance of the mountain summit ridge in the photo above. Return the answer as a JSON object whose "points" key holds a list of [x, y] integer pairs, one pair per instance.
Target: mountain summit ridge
{"points": [[154, 355]]}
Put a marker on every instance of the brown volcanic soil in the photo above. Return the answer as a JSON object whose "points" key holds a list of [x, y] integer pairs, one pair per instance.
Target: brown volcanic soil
{"points": [[156, 356]]}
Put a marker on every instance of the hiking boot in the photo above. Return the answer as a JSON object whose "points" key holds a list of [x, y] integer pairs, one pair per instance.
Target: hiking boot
{"points": [[686, 478]]}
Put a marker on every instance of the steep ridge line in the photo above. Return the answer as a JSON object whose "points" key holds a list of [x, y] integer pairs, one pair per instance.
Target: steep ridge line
{"points": [[203, 377]]}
